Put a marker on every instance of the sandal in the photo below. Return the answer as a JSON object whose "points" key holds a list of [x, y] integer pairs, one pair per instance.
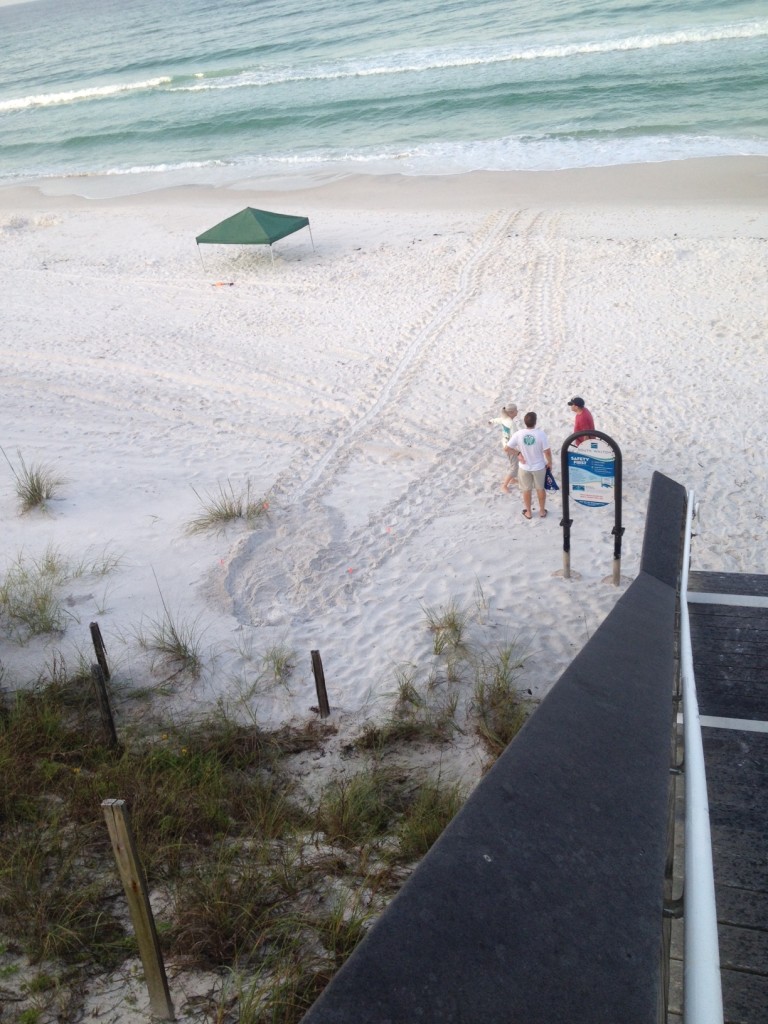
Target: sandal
{"points": [[543, 513], [526, 514]]}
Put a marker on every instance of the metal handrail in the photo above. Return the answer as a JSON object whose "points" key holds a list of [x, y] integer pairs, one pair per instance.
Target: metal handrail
{"points": [[702, 990]]}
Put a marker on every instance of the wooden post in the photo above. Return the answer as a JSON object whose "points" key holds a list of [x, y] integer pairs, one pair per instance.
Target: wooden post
{"points": [[107, 721], [98, 646], [322, 695], [135, 885]]}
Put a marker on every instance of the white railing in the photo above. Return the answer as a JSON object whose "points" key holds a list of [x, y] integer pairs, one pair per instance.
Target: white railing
{"points": [[702, 992]]}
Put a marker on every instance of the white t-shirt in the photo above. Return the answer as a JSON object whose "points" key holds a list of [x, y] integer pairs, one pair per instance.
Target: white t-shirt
{"points": [[532, 442]]}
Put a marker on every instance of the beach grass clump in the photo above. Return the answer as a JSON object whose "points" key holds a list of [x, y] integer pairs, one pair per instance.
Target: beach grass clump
{"points": [[263, 672], [175, 640], [482, 605], [36, 484], [30, 598], [278, 663], [30, 606], [344, 924], [30, 603], [401, 811], [433, 710], [358, 809], [16, 223], [50, 905], [419, 713], [499, 709], [96, 563], [286, 984], [434, 805], [228, 505], [226, 907], [449, 626]]}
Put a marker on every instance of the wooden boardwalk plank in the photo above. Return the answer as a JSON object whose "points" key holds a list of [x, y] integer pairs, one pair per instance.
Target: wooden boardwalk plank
{"points": [[728, 583], [745, 998], [730, 653], [730, 656]]}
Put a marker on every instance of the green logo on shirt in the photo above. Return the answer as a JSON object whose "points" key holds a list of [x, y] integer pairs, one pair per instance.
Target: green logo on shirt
{"points": [[529, 439]]}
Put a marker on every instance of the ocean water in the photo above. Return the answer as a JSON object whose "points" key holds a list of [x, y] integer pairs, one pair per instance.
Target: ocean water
{"points": [[213, 91]]}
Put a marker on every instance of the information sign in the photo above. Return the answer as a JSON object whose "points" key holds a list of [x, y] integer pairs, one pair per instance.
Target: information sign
{"points": [[592, 469]]}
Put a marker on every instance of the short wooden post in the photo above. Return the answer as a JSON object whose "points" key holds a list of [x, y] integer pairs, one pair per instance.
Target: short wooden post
{"points": [[135, 885], [322, 695], [98, 646], [107, 721], [616, 572]]}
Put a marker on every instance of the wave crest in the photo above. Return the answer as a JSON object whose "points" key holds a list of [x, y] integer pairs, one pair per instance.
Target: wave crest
{"points": [[52, 99], [396, 64]]}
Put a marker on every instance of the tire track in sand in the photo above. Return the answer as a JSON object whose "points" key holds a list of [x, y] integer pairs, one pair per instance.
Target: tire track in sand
{"points": [[427, 496], [326, 467], [308, 573]]}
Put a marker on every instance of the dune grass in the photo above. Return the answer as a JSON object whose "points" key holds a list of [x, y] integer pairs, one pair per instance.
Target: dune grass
{"points": [[251, 879], [499, 709], [263, 672], [432, 809], [36, 484], [449, 627], [278, 663], [420, 712], [252, 876], [30, 591], [174, 641], [226, 505], [360, 808], [470, 686], [30, 603]]}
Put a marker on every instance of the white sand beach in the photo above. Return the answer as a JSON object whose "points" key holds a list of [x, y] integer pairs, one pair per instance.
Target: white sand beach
{"points": [[352, 384]]}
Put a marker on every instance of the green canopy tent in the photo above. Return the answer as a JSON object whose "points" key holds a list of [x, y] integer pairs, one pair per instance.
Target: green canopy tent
{"points": [[253, 227]]}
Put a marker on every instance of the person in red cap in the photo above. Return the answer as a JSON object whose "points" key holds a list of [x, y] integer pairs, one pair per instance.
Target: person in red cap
{"points": [[583, 419]]}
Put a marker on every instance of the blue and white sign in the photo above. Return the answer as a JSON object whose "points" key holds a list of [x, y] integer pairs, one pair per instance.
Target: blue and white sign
{"points": [[591, 468]]}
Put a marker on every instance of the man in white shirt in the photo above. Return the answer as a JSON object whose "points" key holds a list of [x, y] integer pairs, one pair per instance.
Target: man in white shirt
{"points": [[535, 459]]}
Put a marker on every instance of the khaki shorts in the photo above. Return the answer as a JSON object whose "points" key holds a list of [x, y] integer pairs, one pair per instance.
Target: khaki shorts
{"points": [[528, 479]]}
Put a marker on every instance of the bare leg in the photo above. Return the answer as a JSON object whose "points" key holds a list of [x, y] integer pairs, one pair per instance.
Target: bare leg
{"points": [[527, 504], [542, 496]]}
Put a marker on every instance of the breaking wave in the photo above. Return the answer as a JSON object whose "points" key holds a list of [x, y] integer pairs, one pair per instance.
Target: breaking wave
{"points": [[53, 99]]}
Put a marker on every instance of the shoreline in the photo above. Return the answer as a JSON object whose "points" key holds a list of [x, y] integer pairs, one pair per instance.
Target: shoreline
{"points": [[716, 181]]}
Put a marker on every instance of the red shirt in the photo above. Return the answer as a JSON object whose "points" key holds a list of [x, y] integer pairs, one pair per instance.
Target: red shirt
{"points": [[583, 421]]}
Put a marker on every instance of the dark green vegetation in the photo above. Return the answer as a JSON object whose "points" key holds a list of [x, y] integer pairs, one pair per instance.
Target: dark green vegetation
{"points": [[265, 884]]}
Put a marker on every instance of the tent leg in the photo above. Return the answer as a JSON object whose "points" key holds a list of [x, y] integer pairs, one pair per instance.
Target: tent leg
{"points": [[272, 253], [201, 258], [309, 229]]}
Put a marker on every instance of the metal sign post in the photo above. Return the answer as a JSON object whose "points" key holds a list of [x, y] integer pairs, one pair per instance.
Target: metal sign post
{"points": [[593, 471]]}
